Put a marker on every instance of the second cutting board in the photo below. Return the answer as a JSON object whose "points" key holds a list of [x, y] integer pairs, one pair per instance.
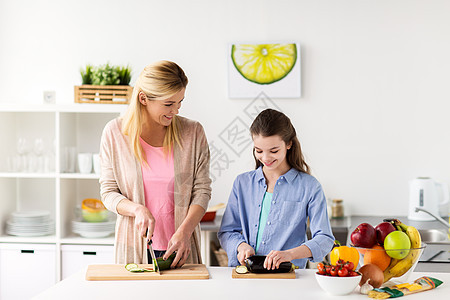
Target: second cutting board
{"points": [[118, 272], [290, 275]]}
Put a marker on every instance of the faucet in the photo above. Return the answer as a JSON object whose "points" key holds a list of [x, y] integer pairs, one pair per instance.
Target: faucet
{"points": [[433, 215]]}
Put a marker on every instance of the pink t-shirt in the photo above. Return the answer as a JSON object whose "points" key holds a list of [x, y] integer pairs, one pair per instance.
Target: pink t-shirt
{"points": [[158, 179]]}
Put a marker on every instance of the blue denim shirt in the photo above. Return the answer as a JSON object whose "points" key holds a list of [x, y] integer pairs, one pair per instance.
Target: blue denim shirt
{"points": [[296, 197]]}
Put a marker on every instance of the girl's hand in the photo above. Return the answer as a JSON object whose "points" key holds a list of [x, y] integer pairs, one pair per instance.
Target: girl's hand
{"points": [[179, 243], [144, 222], [275, 258], [244, 251]]}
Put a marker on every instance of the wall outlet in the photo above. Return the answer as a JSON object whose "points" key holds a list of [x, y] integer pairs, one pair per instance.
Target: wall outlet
{"points": [[49, 97]]}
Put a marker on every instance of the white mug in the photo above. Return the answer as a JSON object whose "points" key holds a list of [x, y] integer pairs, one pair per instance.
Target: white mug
{"points": [[85, 162], [96, 162], [69, 156]]}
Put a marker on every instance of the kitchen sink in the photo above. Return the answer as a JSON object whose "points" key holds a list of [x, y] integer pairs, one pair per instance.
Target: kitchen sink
{"points": [[436, 256], [434, 236]]}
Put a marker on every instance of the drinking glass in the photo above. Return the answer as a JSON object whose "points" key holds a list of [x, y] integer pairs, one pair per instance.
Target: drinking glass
{"points": [[22, 146], [39, 150], [22, 150]]}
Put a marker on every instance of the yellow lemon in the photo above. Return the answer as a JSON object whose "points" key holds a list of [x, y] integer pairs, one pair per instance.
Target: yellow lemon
{"points": [[264, 63]]}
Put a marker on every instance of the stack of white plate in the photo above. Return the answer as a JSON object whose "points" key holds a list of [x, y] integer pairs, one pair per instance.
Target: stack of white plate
{"points": [[30, 223], [93, 230]]}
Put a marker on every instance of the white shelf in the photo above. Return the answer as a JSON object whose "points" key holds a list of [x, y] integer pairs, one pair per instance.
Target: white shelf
{"points": [[75, 108], [78, 240], [48, 175], [79, 176], [76, 126], [26, 175], [48, 239]]}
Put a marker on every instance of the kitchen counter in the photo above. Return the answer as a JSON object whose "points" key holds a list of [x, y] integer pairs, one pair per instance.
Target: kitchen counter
{"points": [[349, 223], [219, 286], [344, 226], [356, 220]]}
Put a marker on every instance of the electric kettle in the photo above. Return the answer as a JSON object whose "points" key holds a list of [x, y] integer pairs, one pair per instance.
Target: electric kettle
{"points": [[428, 194]]}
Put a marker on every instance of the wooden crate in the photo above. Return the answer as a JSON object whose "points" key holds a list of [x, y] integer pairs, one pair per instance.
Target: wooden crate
{"points": [[111, 94]]}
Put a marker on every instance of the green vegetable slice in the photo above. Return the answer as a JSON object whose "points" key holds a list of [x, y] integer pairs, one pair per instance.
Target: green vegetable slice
{"points": [[140, 270], [136, 270], [131, 266], [241, 269]]}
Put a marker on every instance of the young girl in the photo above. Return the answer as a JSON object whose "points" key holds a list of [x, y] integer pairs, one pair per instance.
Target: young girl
{"points": [[268, 208]]}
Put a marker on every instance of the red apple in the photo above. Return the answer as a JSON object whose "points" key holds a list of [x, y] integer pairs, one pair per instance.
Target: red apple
{"points": [[364, 236], [383, 229]]}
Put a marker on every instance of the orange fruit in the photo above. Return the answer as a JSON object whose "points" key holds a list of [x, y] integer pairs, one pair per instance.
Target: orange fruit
{"points": [[377, 256], [92, 205]]}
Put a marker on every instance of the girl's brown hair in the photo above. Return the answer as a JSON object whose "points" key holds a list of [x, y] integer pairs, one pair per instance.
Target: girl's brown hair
{"points": [[271, 122]]}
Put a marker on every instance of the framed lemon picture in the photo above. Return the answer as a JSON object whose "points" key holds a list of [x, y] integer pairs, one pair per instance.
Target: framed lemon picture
{"points": [[273, 69]]}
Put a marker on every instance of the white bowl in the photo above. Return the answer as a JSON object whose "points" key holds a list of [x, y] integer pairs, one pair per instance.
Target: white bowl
{"points": [[338, 286]]}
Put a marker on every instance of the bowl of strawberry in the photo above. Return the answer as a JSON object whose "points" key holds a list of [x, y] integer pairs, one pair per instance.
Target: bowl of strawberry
{"points": [[340, 279]]}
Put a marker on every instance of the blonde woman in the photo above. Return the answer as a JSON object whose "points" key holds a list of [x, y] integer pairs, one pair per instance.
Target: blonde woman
{"points": [[155, 171]]}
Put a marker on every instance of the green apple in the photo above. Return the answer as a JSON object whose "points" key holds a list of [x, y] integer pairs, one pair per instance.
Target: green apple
{"points": [[397, 244]]}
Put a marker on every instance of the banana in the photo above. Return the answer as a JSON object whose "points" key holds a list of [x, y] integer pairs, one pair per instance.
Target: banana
{"points": [[414, 236], [386, 273], [403, 265]]}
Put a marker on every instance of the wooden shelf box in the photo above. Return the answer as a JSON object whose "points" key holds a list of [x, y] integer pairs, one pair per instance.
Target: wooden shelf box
{"points": [[111, 94]]}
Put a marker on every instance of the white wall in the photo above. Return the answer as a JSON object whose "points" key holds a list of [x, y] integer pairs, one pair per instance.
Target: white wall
{"points": [[375, 75]]}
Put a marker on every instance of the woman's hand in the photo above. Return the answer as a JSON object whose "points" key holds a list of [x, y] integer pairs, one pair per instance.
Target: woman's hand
{"points": [[144, 222], [275, 258], [179, 243], [244, 251]]}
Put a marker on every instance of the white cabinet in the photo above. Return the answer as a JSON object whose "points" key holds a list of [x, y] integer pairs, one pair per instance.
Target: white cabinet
{"points": [[45, 183], [26, 269], [76, 257]]}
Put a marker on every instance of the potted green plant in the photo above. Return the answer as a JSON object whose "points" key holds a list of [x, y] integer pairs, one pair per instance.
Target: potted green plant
{"points": [[104, 84]]}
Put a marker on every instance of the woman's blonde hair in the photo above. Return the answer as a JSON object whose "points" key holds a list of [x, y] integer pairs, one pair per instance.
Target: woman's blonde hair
{"points": [[158, 81]]}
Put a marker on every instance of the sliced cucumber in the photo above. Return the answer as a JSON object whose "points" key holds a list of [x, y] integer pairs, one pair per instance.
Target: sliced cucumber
{"points": [[131, 266], [139, 270], [241, 269], [136, 270]]}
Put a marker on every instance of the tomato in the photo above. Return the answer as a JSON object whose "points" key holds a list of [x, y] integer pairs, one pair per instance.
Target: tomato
{"points": [[344, 253], [352, 273], [343, 272], [321, 268], [349, 266], [334, 271], [328, 269]]}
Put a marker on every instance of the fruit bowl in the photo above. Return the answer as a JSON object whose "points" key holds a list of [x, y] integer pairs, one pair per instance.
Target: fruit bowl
{"points": [[395, 270], [93, 210], [338, 286]]}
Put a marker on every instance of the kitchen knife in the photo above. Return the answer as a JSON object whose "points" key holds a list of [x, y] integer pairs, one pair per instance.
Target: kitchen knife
{"points": [[154, 261]]}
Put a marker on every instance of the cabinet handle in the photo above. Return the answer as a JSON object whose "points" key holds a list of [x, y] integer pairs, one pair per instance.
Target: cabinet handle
{"points": [[89, 253], [27, 251]]}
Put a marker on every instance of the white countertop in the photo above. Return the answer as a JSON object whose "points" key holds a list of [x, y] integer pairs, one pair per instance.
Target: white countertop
{"points": [[219, 286]]}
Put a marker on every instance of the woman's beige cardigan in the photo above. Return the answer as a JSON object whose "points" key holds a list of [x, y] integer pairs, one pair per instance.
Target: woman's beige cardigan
{"points": [[121, 178]]}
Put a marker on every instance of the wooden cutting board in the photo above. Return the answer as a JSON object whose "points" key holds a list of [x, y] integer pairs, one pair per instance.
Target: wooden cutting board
{"points": [[118, 272], [290, 275]]}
